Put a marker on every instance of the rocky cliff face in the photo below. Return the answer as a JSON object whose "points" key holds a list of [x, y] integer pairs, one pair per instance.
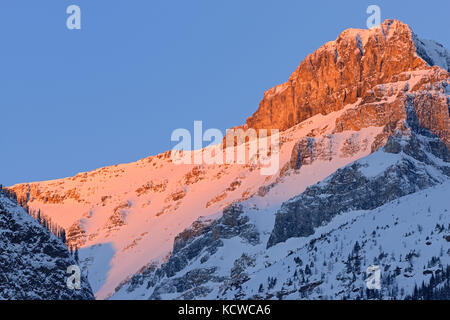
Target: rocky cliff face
{"points": [[384, 78], [349, 189], [361, 65], [369, 110], [33, 262], [235, 257]]}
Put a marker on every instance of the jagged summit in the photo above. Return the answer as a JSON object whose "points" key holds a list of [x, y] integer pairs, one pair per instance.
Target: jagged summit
{"points": [[154, 229], [345, 70]]}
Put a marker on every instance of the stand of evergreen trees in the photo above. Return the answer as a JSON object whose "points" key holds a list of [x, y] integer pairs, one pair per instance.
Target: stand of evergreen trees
{"points": [[74, 253], [437, 289], [45, 221]]}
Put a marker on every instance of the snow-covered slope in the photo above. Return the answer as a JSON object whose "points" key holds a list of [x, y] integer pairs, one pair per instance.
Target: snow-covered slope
{"points": [[254, 251], [434, 53], [407, 238], [126, 217], [33, 262], [134, 222]]}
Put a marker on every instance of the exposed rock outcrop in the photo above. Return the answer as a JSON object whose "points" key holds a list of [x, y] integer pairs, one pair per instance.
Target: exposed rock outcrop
{"points": [[349, 189], [360, 66], [382, 91], [198, 242]]}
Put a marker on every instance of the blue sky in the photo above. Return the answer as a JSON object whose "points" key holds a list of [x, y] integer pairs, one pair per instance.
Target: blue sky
{"points": [[113, 92]]}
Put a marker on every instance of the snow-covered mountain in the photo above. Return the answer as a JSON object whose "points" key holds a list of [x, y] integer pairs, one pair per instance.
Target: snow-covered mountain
{"points": [[238, 257], [33, 262], [363, 157]]}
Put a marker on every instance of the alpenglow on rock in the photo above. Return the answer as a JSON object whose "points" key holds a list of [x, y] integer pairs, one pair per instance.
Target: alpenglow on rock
{"points": [[350, 68], [373, 100]]}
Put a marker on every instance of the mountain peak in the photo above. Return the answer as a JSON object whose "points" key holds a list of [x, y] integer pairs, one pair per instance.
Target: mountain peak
{"points": [[388, 28], [345, 70], [157, 229]]}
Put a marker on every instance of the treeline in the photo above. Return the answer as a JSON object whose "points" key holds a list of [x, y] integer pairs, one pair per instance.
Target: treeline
{"points": [[43, 220], [47, 223]]}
